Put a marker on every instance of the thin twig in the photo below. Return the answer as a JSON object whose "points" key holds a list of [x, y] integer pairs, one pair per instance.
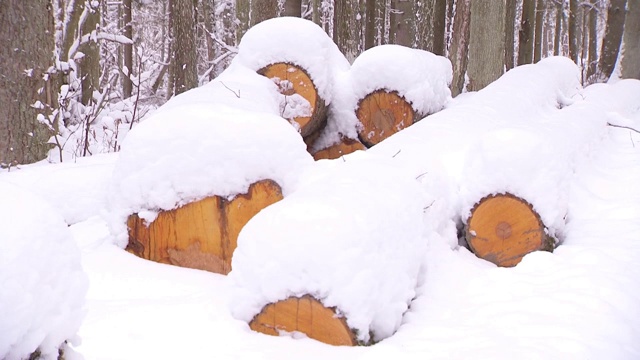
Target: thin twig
{"points": [[394, 155], [624, 127], [237, 94]]}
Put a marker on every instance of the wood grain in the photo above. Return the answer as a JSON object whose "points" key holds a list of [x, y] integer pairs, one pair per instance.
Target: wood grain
{"points": [[306, 315], [202, 234], [344, 147], [382, 114], [302, 85], [504, 228]]}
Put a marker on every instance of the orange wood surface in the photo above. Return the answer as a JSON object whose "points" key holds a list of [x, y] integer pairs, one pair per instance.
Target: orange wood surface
{"points": [[344, 147], [306, 315], [383, 114], [303, 86], [504, 228], [202, 234]]}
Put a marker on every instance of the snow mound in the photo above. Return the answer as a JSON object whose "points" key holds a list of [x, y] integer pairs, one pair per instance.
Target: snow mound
{"points": [[297, 41], [421, 77], [350, 235], [186, 152], [43, 284], [522, 134]]}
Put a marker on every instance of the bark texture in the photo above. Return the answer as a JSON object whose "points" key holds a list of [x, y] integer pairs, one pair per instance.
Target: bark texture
{"points": [[26, 28], [460, 45], [527, 30], [612, 38], [487, 43], [630, 63], [184, 60]]}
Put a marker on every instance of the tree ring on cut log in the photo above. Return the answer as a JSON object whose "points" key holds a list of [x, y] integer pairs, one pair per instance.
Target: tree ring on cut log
{"points": [[202, 234], [306, 315], [383, 113], [293, 79], [503, 228]]}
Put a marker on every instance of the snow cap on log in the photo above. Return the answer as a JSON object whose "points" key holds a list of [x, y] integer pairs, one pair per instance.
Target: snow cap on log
{"points": [[296, 41], [418, 76], [192, 150], [349, 236], [43, 283]]}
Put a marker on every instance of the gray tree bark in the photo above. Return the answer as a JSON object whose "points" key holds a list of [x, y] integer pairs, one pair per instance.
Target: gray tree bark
{"points": [[262, 10], [487, 43], [612, 38], [243, 8], [573, 31], [593, 41], [558, 29], [460, 45], [439, 27], [527, 30], [403, 25], [184, 60], [90, 63], [509, 26], [127, 85], [630, 62], [347, 32], [537, 43], [292, 8], [25, 55], [371, 24]]}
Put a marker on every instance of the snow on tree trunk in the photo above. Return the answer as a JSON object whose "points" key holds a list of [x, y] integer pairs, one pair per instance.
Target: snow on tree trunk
{"points": [[346, 29], [630, 63], [26, 53], [127, 85], [487, 43]]}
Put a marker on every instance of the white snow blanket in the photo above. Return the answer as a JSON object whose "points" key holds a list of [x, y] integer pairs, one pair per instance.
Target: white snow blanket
{"points": [[42, 284]]}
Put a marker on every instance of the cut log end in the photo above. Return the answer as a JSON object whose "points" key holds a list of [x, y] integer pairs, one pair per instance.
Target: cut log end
{"points": [[504, 228], [382, 114], [292, 79], [203, 234], [344, 147], [306, 315]]}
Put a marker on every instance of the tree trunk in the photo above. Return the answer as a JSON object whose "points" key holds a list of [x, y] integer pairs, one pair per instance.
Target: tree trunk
{"points": [[243, 8], [207, 14], [346, 29], [537, 49], [460, 45], [127, 84], [509, 40], [70, 30], [630, 62], [593, 41], [558, 29], [439, 27], [184, 60], [612, 38], [90, 63], [573, 31], [504, 228], [527, 25], [487, 43], [403, 25], [371, 26], [26, 54], [292, 8], [262, 10]]}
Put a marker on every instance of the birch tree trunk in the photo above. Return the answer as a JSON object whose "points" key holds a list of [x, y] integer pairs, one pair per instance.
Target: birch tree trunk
{"points": [[630, 62], [487, 43], [25, 55], [460, 45]]}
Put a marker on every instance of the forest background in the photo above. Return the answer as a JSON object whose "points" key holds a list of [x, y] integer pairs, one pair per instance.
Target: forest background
{"points": [[76, 75]]}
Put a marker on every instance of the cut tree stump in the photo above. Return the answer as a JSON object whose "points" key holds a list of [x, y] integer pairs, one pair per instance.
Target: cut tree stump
{"points": [[202, 234], [504, 228], [344, 147], [293, 79], [306, 315], [383, 113]]}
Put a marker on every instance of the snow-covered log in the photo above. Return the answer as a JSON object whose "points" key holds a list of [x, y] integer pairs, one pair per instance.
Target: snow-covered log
{"points": [[356, 254], [344, 147], [383, 113], [503, 228], [202, 234]]}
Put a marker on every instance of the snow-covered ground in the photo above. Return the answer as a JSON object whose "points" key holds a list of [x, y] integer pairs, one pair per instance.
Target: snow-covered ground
{"points": [[535, 132]]}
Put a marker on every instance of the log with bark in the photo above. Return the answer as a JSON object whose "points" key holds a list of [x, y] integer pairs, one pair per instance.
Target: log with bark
{"points": [[202, 234], [306, 315], [293, 79], [504, 228], [383, 113]]}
